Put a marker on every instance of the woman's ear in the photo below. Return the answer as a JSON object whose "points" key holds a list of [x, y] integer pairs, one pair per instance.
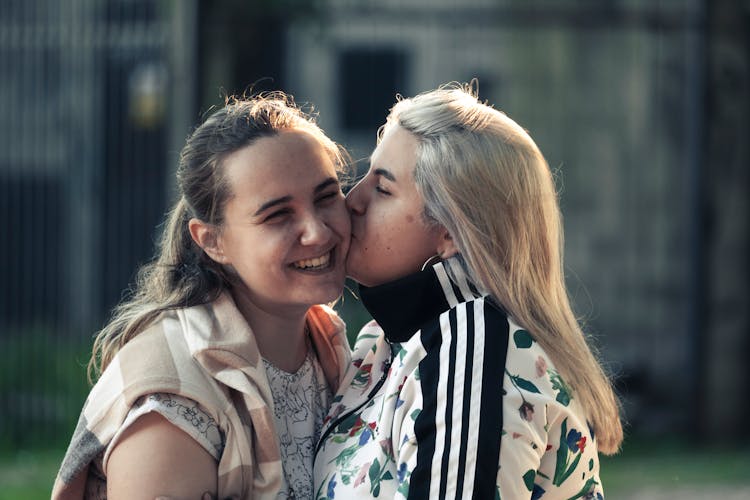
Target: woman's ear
{"points": [[206, 237], [446, 245]]}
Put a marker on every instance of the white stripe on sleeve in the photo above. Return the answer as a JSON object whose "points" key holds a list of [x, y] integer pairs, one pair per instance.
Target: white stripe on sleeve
{"points": [[476, 398], [445, 282], [442, 388], [458, 403]]}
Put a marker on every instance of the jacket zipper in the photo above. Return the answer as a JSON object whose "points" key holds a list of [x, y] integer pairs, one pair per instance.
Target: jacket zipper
{"points": [[369, 397]]}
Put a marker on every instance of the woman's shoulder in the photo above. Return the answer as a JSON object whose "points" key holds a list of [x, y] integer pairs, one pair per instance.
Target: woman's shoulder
{"points": [[158, 359], [158, 342], [328, 334], [369, 337], [463, 322], [154, 454], [525, 353], [531, 374], [184, 413], [325, 320]]}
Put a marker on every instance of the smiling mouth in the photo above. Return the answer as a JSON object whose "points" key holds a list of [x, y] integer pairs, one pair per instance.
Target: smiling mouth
{"points": [[315, 263]]}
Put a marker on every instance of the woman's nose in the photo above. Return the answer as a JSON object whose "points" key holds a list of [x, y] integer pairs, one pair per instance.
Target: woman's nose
{"points": [[315, 231], [355, 202]]}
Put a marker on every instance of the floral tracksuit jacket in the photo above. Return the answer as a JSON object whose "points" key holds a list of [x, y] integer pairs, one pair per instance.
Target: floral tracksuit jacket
{"points": [[447, 397]]}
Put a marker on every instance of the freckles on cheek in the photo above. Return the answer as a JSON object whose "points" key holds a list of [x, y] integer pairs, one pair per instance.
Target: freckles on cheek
{"points": [[409, 219]]}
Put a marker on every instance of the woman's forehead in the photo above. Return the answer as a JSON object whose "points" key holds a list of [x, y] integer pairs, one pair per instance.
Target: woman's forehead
{"points": [[289, 164], [396, 152]]}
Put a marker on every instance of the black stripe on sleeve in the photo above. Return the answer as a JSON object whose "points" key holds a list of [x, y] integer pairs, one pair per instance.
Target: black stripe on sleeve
{"points": [[424, 426], [463, 296], [491, 418], [457, 292]]}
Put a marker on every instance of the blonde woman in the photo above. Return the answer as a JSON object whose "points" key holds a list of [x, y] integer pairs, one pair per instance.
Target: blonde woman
{"points": [[474, 380], [217, 373]]}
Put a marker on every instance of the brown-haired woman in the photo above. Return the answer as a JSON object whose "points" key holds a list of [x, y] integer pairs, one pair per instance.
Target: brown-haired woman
{"points": [[215, 375]]}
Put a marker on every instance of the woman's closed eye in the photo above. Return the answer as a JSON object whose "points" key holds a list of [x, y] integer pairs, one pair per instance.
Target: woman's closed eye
{"points": [[380, 189], [277, 215], [327, 197]]}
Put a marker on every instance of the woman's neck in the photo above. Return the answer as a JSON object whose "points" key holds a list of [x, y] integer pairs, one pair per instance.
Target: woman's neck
{"points": [[281, 338]]}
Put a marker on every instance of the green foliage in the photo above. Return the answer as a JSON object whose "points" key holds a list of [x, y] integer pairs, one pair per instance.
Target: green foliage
{"points": [[28, 475], [674, 463], [352, 311], [42, 387]]}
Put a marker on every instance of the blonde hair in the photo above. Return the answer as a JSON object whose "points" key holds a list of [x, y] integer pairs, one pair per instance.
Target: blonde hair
{"points": [[484, 179], [182, 275]]}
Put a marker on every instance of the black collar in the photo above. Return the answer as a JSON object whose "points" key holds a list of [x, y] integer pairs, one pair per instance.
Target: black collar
{"points": [[403, 306]]}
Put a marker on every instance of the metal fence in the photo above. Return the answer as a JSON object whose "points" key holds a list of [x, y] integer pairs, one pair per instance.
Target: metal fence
{"points": [[96, 98], [85, 129]]}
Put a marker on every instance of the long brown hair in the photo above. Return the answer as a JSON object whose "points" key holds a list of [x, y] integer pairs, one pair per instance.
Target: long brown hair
{"points": [[484, 179], [181, 274]]}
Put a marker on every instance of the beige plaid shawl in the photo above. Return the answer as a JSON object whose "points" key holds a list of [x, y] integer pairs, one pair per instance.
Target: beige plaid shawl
{"points": [[206, 353]]}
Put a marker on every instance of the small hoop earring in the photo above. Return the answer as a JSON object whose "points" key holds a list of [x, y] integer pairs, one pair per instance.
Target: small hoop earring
{"points": [[434, 259]]}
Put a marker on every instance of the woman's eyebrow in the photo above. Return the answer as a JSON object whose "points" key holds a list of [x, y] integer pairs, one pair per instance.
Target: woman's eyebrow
{"points": [[385, 173], [320, 187], [271, 203]]}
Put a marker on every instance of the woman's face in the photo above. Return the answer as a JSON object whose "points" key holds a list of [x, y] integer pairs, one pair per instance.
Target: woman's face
{"points": [[286, 229], [390, 238]]}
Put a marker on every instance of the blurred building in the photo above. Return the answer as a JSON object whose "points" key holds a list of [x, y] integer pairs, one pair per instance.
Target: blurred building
{"points": [[87, 109], [89, 118], [641, 109], [620, 98]]}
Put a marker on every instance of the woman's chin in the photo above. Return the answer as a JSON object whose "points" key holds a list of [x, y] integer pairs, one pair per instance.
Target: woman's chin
{"points": [[354, 275], [367, 275], [352, 269]]}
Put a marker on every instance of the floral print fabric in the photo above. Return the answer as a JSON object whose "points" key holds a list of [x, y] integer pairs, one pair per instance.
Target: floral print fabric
{"points": [[182, 412], [547, 450], [546, 442]]}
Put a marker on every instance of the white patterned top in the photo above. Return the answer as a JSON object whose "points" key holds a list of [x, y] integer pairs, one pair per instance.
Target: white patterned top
{"points": [[301, 400]]}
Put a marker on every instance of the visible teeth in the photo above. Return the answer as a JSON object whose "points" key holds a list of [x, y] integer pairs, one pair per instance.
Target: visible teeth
{"points": [[315, 263]]}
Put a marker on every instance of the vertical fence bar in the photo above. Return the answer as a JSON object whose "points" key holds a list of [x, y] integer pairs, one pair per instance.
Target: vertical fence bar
{"points": [[695, 155], [59, 129]]}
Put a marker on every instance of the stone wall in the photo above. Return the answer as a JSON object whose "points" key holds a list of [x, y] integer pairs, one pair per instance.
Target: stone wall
{"points": [[653, 177]]}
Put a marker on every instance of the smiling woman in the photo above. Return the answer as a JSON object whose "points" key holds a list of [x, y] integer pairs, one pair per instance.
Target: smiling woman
{"points": [[216, 374], [286, 211]]}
